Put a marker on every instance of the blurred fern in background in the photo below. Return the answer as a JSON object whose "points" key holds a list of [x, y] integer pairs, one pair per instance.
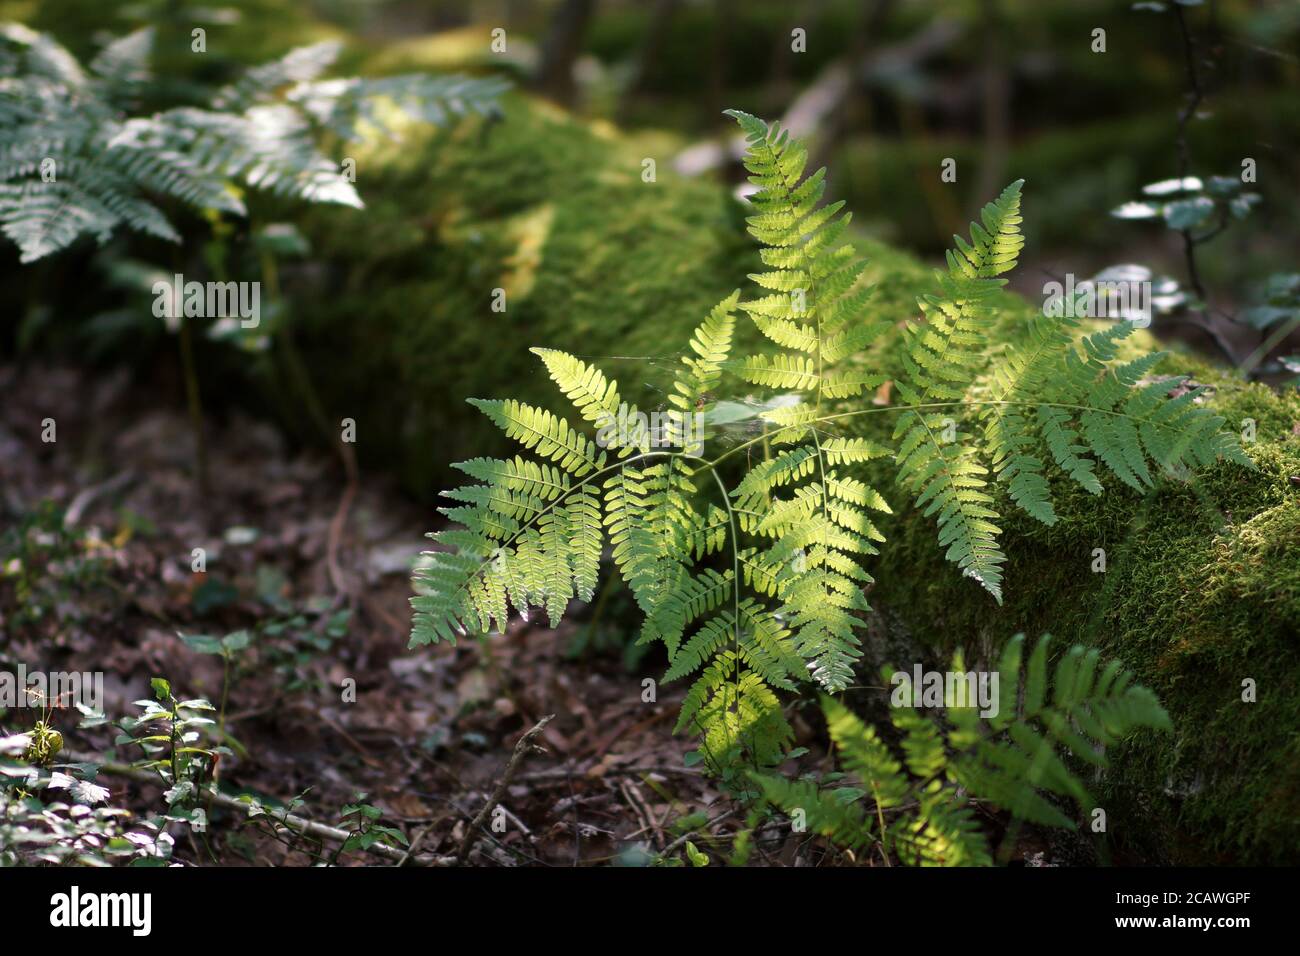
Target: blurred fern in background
{"points": [[75, 161]]}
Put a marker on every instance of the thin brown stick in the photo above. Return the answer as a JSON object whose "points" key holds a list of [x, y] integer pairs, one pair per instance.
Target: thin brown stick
{"points": [[416, 841], [562, 775], [670, 848], [339, 521], [522, 748]]}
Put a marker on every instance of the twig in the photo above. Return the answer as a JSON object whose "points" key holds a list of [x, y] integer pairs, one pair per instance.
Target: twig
{"points": [[821, 100], [338, 522], [86, 496], [563, 774], [668, 850], [415, 842], [642, 811], [522, 748]]}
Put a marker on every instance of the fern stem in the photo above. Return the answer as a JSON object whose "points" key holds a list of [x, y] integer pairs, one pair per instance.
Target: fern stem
{"points": [[735, 578], [195, 402], [880, 817], [928, 405]]}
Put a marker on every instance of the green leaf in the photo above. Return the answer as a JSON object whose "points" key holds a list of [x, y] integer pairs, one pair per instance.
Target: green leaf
{"points": [[1186, 213], [203, 643], [236, 641]]}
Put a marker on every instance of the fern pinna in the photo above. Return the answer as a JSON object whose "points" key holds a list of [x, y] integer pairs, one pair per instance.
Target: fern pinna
{"points": [[760, 588], [1008, 759]]}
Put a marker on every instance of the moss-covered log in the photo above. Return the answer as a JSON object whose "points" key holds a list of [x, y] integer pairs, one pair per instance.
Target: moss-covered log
{"points": [[553, 213]]}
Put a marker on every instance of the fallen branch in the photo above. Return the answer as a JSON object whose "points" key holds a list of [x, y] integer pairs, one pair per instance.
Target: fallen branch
{"points": [[522, 748], [672, 847], [290, 821], [826, 95]]}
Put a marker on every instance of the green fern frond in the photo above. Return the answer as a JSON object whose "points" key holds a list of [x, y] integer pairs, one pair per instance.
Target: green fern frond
{"points": [[735, 712], [1081, 709], [711, 343], [597, 398], [865, 755], [815, 311], [942, 358], [820, 811], [1067, 403], [943, 832], [548, 434]]}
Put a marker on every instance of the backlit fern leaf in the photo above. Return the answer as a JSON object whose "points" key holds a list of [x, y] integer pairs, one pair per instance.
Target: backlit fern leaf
{"points": [[1013, 758], [1058, 400], [529, 533], [815, 311], [551, 436], [942, 358]]}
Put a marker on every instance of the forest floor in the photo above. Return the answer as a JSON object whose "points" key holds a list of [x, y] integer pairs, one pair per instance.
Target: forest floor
{"points": [[97, 553]]}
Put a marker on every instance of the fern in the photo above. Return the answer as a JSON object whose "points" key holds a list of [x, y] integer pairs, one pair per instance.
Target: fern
{"points": [[814, 313], [1049, 400], [74, 162], [759, 588], [1009, 761], [942, 358]]}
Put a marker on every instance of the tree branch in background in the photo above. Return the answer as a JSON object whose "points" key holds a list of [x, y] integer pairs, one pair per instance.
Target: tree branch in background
{"points": [[647, 53], [1201, 316], [560, 50], [996, 93], [812, 107], [1194, 98]]}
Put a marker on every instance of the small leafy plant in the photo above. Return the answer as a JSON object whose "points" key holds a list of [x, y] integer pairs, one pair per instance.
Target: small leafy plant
{"points": [[365, 830], [172, 733], [55, 813], [759, 587]]}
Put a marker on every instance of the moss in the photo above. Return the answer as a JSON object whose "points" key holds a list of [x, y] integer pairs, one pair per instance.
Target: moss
{"points": [[553, 211], [1201, 590]]}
